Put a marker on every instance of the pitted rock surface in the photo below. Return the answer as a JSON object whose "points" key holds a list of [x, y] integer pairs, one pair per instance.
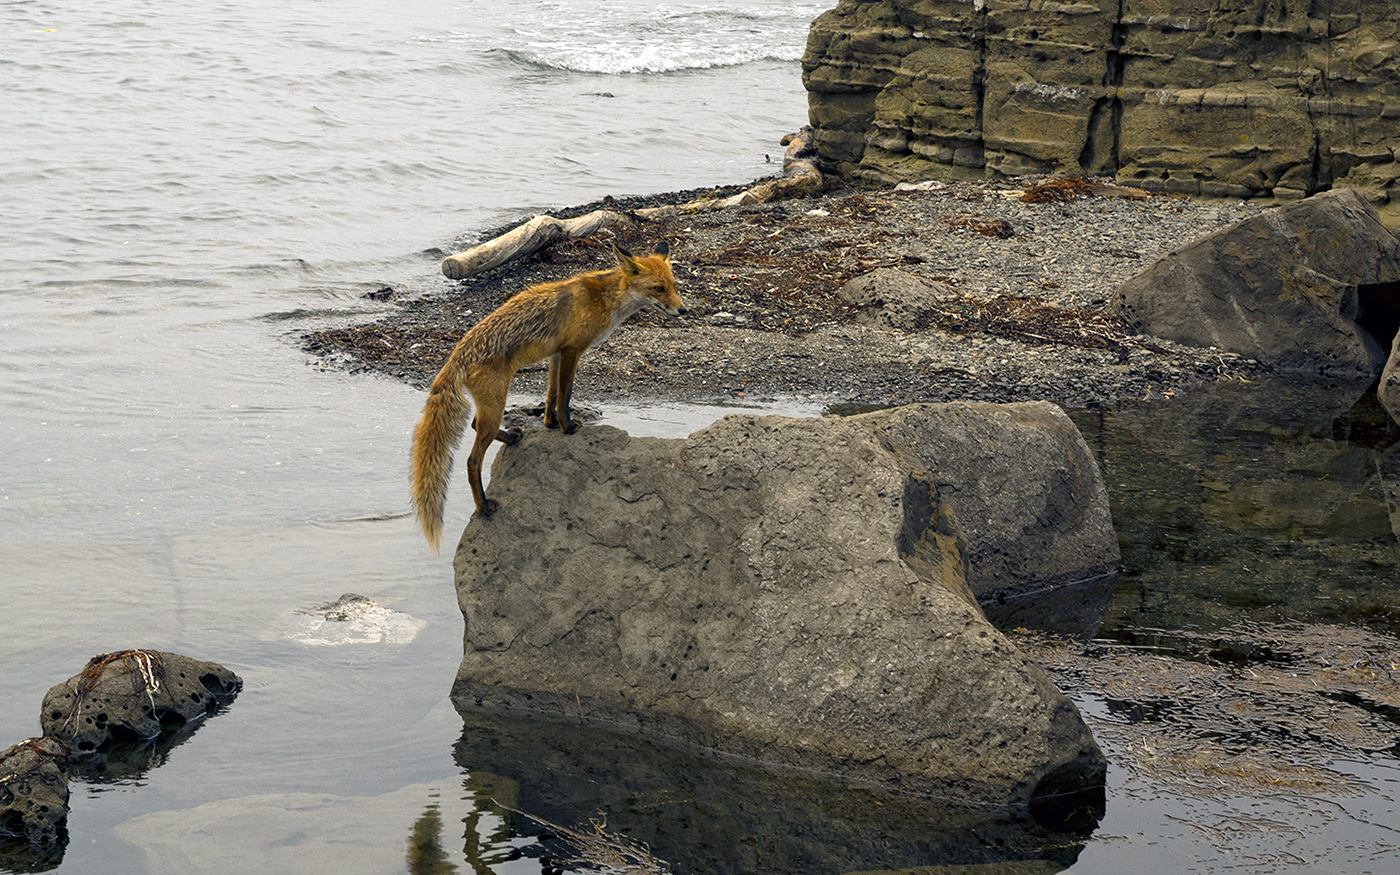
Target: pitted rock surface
{"points": [[34, 790], [133, 695]]}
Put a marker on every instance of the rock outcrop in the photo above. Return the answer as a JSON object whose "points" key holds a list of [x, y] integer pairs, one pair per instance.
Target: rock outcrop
{"points": [[1235, 99], [795, 592], [1310, 286], [1389, 390]]}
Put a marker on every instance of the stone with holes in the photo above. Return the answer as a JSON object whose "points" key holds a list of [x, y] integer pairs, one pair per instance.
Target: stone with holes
{"points": [[34, 791], [1312, 287], [793, 592], [134, 695]]}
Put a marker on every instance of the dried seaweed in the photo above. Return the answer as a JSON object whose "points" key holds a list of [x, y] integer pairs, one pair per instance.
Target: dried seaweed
{"points": [[147, 672], [1031, 320], [597, 849], [1057, 190], [999, 228]]}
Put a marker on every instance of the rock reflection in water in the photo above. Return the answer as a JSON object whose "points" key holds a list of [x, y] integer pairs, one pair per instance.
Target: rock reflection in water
{"points": [[704, 815], [1267, 502]]}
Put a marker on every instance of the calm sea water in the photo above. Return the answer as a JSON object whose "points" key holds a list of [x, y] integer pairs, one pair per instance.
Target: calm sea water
{"points": [[174, 178], [183, 188]]}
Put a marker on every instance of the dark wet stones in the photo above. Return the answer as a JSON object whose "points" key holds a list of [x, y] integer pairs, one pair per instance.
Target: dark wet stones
{"points": [[34, 791], [134, 695], [117, 718]]}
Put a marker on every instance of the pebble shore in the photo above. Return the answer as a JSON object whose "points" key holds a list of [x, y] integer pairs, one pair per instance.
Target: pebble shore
{"points": [[1025, 314]]}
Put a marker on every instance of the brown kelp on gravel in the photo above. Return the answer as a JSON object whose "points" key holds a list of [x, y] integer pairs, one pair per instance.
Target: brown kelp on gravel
{"points": [[1027, 266]]}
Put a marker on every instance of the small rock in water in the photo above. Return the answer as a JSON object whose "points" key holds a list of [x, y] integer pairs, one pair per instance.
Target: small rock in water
{"points": [[133, 695], [353, 619], [34, 791]]}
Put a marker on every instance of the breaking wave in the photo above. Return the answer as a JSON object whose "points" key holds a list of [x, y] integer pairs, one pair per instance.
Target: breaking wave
{"points": [[621, 38]]}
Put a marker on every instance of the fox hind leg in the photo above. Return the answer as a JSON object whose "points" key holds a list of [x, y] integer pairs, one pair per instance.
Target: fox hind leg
{"points": [[551, 397], [506, 436], [489, 412]]}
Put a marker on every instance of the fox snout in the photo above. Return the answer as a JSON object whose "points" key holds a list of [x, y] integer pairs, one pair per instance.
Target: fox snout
{"points": [[671, 303]]}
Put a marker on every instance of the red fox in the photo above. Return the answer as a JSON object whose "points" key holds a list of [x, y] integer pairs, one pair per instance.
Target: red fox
{"points": [[557, 320]]}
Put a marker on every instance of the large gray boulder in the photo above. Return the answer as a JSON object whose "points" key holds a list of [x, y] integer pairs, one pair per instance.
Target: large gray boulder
{"points": [[792, 592], [1305, 287]]}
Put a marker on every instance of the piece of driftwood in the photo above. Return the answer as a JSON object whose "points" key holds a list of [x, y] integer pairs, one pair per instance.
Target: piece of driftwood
{"points": [[800, 177], [535, 234]]}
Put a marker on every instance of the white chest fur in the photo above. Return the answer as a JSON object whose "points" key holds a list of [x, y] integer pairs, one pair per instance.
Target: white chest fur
{"points": [[633, 303]]}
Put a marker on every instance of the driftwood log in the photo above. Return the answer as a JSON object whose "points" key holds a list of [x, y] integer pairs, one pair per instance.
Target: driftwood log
{"points": [[800, 177]]}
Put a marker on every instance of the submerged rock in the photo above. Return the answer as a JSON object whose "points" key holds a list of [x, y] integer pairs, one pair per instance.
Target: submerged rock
{"points": [[134, 695], [795, 592], [353, 619], [34, 791], [1311, 286]]}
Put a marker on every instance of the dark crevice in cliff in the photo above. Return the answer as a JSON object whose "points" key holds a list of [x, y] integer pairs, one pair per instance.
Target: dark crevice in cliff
{"points": [[979, 77], [1100, 155], [1315, 173], [1378, 311]]}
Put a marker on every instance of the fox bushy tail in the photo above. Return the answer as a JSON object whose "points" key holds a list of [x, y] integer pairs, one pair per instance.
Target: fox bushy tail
{"points": [[434, 442]]}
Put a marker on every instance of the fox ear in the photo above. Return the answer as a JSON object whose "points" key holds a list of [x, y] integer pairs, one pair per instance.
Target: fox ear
{"points": [[663, 249], [625, 259]]}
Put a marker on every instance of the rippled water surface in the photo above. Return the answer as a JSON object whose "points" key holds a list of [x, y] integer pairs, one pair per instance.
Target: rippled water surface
{"points": [[176, 180], [185, 187]]}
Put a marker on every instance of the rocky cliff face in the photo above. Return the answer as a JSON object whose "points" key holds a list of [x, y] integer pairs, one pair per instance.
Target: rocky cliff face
{"points": [[1228, 97]]}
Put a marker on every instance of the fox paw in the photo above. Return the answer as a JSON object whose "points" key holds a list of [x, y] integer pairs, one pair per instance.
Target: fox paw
{"points": [[488, 507], [509, 435]]}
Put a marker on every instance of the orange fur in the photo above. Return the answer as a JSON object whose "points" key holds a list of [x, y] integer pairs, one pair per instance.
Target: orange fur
{"points": [[557, 321]]}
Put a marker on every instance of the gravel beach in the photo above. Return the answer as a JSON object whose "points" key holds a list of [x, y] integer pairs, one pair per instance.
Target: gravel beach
{"points": [[1021, 306]]}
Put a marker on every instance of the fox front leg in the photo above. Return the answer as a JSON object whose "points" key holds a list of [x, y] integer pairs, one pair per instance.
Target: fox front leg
{"points": [[557, 413]]}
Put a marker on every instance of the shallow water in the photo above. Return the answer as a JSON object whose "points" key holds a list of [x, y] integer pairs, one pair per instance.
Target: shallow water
{"points": [[186, 187], [1253, 502]]}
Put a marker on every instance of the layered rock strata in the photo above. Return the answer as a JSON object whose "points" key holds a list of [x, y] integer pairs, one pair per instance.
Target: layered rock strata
{"points": [[1234, 99]]}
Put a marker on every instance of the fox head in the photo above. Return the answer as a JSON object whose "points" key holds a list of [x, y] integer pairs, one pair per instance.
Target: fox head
{"points": [[650, 278]]}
